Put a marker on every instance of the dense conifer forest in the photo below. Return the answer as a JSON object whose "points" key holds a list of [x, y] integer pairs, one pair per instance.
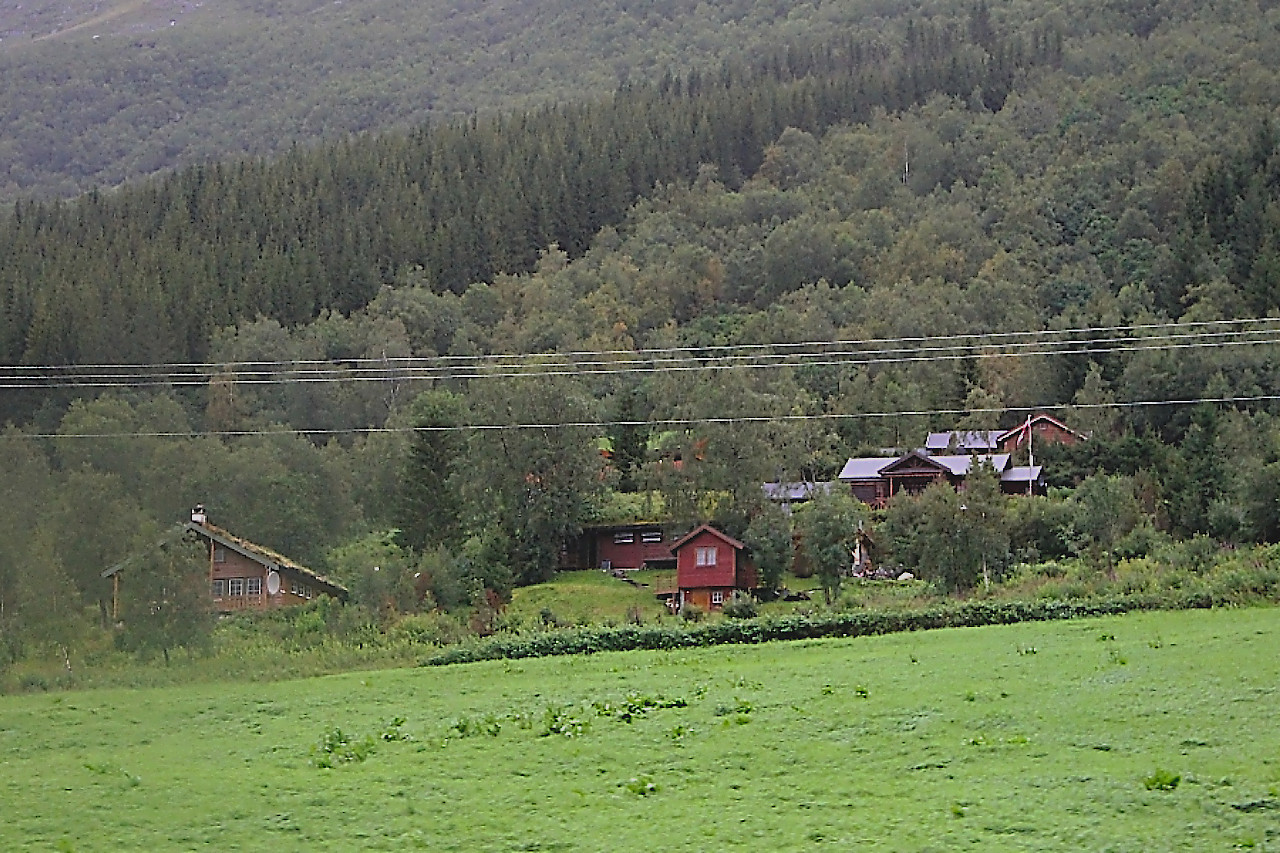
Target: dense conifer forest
{"points": [[407, 349]]}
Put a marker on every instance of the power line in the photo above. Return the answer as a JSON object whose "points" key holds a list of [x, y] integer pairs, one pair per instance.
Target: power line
{"points": [[653, 422], [554, 364], [214, 367]]}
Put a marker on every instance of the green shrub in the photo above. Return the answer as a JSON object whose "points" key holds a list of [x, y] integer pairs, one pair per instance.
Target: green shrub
{"points": [[1161, 780], [741, 606]]}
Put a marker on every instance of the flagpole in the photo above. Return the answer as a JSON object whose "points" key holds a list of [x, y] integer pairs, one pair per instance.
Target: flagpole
{"points": [[1031, 460]]}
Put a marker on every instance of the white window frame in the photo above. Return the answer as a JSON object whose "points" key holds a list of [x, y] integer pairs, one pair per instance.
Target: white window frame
{"points": [[704, 555], [717, 596], [253, 586], [235, 587], [624, 537], [651, 536]]}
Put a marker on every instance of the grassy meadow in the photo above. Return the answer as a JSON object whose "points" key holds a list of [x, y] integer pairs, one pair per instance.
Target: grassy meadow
{"points": [[1153, 731]]}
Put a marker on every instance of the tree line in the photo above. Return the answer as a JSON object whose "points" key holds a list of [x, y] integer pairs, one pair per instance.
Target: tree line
{"points": [[1096, 195], [148, 273]]}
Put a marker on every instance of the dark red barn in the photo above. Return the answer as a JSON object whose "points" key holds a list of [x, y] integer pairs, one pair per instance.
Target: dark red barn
{"points": [[710, 565]]}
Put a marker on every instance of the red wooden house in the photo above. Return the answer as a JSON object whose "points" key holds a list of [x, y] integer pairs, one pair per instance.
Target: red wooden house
{"points": [[619, 547], [710, 566], [1042, 429]]}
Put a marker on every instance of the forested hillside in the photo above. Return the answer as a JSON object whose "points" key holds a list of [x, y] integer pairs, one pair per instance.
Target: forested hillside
{"points": [[95, 94], [407, 350]]}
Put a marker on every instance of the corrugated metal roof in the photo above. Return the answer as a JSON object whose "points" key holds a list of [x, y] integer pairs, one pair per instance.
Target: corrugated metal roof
{"points": [[960, 465], [1022, 474], [795, 491], [865, 468], [977, 439]]}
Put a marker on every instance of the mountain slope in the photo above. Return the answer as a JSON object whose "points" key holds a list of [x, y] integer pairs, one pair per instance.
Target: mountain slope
{"points": [[101, 93]]}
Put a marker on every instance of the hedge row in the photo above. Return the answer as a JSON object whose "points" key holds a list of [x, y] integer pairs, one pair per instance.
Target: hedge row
{"points": [[1260, 582], [588, 640]]}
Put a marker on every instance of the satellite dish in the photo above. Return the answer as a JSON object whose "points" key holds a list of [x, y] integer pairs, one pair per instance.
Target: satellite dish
{"points": [[273, 582]]}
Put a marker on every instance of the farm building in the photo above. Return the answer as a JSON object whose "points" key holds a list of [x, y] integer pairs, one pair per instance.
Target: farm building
{"points": [[710, 567], [619, 547]]}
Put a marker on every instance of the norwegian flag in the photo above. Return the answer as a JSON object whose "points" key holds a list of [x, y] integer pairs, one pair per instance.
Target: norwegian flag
{"points": [[1024, 434]]}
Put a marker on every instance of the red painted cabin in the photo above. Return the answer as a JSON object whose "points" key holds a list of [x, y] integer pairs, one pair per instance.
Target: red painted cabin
{"points": [[619, 547], [710, 566]]}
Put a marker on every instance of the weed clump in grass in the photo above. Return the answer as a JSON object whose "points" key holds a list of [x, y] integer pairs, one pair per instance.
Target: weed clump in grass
{"points": [[464, 727], [1161, 780], [641, 786], [337, 747], [563, 722]]}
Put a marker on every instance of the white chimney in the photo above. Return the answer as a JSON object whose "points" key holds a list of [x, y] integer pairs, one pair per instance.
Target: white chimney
{"points": [[198, 515]]}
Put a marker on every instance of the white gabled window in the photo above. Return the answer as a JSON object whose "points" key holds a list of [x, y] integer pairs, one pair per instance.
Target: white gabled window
{"points": [[705, 555]]}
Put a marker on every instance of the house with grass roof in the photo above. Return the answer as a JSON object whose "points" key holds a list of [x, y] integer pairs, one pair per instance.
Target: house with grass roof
{"points": [[244, 575]]}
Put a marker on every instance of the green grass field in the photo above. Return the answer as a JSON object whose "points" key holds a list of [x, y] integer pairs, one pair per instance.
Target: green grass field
{"points": [[1154, 731]]}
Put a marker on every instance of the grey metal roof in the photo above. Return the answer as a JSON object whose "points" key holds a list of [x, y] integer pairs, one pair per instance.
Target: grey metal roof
{"points": [[802, 491], [865, 468], [960, 464], [977, 439], [1022, 474]]}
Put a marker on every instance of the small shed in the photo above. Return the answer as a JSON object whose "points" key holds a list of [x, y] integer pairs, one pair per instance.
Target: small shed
{"points": [[619, 547], [710, 567]]}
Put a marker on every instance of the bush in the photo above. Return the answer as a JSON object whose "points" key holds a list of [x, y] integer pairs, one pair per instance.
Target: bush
{"points": [[435, 628], [691, 612], [741, 606]]}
